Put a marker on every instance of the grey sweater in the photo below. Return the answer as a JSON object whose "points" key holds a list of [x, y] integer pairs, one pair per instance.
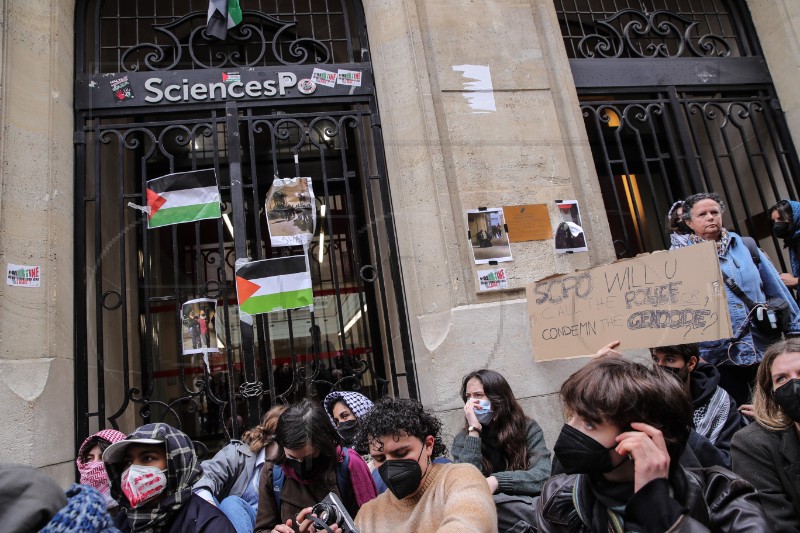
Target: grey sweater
{"points": [[467, 449]]}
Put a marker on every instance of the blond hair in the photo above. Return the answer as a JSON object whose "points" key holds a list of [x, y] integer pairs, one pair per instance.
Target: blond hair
{"points": [[263, 434], [767, 413]]}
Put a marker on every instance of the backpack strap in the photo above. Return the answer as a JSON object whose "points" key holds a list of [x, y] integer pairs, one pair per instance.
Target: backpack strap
{"points": [[278, 478], [751, 245]]}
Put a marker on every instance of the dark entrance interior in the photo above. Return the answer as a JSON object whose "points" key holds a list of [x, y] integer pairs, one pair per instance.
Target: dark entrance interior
{"points": [[677, 99], [131, 282]]}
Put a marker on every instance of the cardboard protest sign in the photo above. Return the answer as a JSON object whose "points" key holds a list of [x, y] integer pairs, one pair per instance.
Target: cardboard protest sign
{"points": [[658, 299]]}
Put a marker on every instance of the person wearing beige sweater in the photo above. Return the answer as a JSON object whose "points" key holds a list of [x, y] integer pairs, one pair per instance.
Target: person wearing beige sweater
{"points": [[403, 439]]}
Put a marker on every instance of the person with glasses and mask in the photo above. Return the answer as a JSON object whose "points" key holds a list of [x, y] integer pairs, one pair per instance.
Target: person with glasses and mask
{"points": [[310, 463], [404, 439], [785, 217], [627, 426], [767, 453], [715, 414]]}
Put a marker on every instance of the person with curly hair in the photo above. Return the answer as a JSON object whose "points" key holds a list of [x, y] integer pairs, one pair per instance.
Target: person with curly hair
{"points": [[230, 478], [403, 439], [767, 453], [152, 472]]}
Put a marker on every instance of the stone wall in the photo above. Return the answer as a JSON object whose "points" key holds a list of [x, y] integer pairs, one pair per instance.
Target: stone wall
{"points": [[36, 205]]}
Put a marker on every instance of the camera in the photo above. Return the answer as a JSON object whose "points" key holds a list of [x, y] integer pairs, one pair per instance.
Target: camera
{"points": [[332, 511]]}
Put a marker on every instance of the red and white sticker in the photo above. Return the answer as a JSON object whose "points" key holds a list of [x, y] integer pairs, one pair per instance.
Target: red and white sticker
{"points": [[306, 86]]}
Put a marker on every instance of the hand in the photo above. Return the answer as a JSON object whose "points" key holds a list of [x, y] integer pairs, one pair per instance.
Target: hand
{"points": [[469, 413], [493, 484], [646, 447], [608, 350], [283, 528], [305, 525], [747, 410], [789, 280]]}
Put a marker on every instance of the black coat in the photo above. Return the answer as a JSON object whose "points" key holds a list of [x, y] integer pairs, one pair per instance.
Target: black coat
{"points": [[197, 516], [770, 460], [710, 499]]}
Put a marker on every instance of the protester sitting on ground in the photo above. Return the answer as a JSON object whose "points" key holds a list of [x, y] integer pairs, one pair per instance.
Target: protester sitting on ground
{"points": [[502, 442], [747, 271], [715, 414], [767, 452], [404, 439], [627, 426], [678, 230], [785, 216], [30, 500], [231, 478], [90, 462], [310, 464], [152, 473], [344, 410]]}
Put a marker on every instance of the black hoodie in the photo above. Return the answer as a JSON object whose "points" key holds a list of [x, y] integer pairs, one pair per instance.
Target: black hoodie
{"points": [[703, 384]]}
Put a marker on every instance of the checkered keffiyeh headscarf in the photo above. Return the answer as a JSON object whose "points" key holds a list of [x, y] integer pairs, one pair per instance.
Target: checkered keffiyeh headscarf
{"points": [[182, 472], [359, 404], [92, 473]]}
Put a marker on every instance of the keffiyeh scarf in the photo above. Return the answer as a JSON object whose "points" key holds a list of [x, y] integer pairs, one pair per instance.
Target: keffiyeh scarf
{"points": [[183, 471], [359, 404], [722, 244], [93, 473], [709, 419]]}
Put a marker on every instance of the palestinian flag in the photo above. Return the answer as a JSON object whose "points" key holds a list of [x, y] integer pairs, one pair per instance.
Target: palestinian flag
{"points": [[183, 197], [222, 16], [274, 285]]}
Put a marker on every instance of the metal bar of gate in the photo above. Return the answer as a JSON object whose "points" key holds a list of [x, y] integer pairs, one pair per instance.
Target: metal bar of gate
{"points": [[240, 246]]}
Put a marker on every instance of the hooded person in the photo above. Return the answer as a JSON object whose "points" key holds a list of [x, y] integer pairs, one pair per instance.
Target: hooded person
{"points": [[151, 473], [29, 498], [785, 218], [90, 462], [344, 410], [85, 512]]}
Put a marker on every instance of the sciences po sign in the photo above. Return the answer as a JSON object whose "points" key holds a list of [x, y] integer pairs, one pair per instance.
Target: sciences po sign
{"points": [[152, 89]]}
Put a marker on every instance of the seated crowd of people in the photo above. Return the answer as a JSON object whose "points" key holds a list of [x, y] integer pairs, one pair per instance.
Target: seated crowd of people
{"points": [[705, 437]]}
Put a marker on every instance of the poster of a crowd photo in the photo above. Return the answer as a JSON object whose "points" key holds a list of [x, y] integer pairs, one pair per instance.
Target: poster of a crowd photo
{"points": [[291, 211], [487, 235], [198, 332], [569, 235]]}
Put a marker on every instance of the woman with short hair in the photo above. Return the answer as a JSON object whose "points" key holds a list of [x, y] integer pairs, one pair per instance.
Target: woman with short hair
{"points": [[737, 358], [767, 453]]}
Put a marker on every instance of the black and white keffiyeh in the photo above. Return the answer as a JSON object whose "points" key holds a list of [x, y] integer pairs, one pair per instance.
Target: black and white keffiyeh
{"points": [[182, 472], [359, 404], [709, 419]]}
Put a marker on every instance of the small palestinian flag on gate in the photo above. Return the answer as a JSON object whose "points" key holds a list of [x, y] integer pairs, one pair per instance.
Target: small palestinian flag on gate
{"points": [[183, 197], [274, 285]]}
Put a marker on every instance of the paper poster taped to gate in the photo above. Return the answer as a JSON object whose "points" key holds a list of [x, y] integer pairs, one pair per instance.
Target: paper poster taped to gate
{"points": [[656, 299], [291, 212], [198, 329]]}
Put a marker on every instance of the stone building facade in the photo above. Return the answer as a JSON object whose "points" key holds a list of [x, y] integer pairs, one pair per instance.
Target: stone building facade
{"points": [[442, 155]]}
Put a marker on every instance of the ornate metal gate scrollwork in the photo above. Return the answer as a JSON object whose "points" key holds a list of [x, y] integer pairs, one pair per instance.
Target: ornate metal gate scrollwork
{"points": [[131, 281]]}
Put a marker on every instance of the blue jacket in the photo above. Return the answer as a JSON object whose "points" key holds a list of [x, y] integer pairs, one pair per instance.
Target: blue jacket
{"points": [[759, 283]]}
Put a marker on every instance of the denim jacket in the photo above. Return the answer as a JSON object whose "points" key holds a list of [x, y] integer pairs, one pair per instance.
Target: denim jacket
{"points": [[759, 283]]}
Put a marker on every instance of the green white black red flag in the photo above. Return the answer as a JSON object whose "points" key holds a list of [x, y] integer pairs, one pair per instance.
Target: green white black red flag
{"points": [[182, 197], [222, 16], [274, 285]]}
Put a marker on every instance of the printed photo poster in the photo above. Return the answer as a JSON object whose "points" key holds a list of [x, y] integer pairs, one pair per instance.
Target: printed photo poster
{"points": [[198, 330], [492, 280], [291, 211], [487, 235], [569, 235]]}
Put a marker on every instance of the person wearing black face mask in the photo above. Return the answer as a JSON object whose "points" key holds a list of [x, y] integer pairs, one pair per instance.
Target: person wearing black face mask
{"points": [[310, 463], [344, 410], [785, 217], [627, 427], [716, 416], [679, 230], [423, 495], [767, 453]]}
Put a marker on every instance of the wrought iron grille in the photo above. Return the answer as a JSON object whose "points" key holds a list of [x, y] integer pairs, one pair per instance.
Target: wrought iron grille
{"points": [[131, 281], [652, 28], [653, 149], [168, 35]]}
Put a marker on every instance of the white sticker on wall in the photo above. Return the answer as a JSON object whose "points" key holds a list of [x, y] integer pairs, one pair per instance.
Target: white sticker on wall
{"points": [[478, 88]]}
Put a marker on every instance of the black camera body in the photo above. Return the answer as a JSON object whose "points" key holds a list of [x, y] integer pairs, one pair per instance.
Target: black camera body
{"points": [[331, 511]]}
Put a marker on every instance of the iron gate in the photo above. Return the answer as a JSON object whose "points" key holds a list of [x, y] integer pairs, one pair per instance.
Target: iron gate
{"points": [[677, 99], [131, 281]]}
